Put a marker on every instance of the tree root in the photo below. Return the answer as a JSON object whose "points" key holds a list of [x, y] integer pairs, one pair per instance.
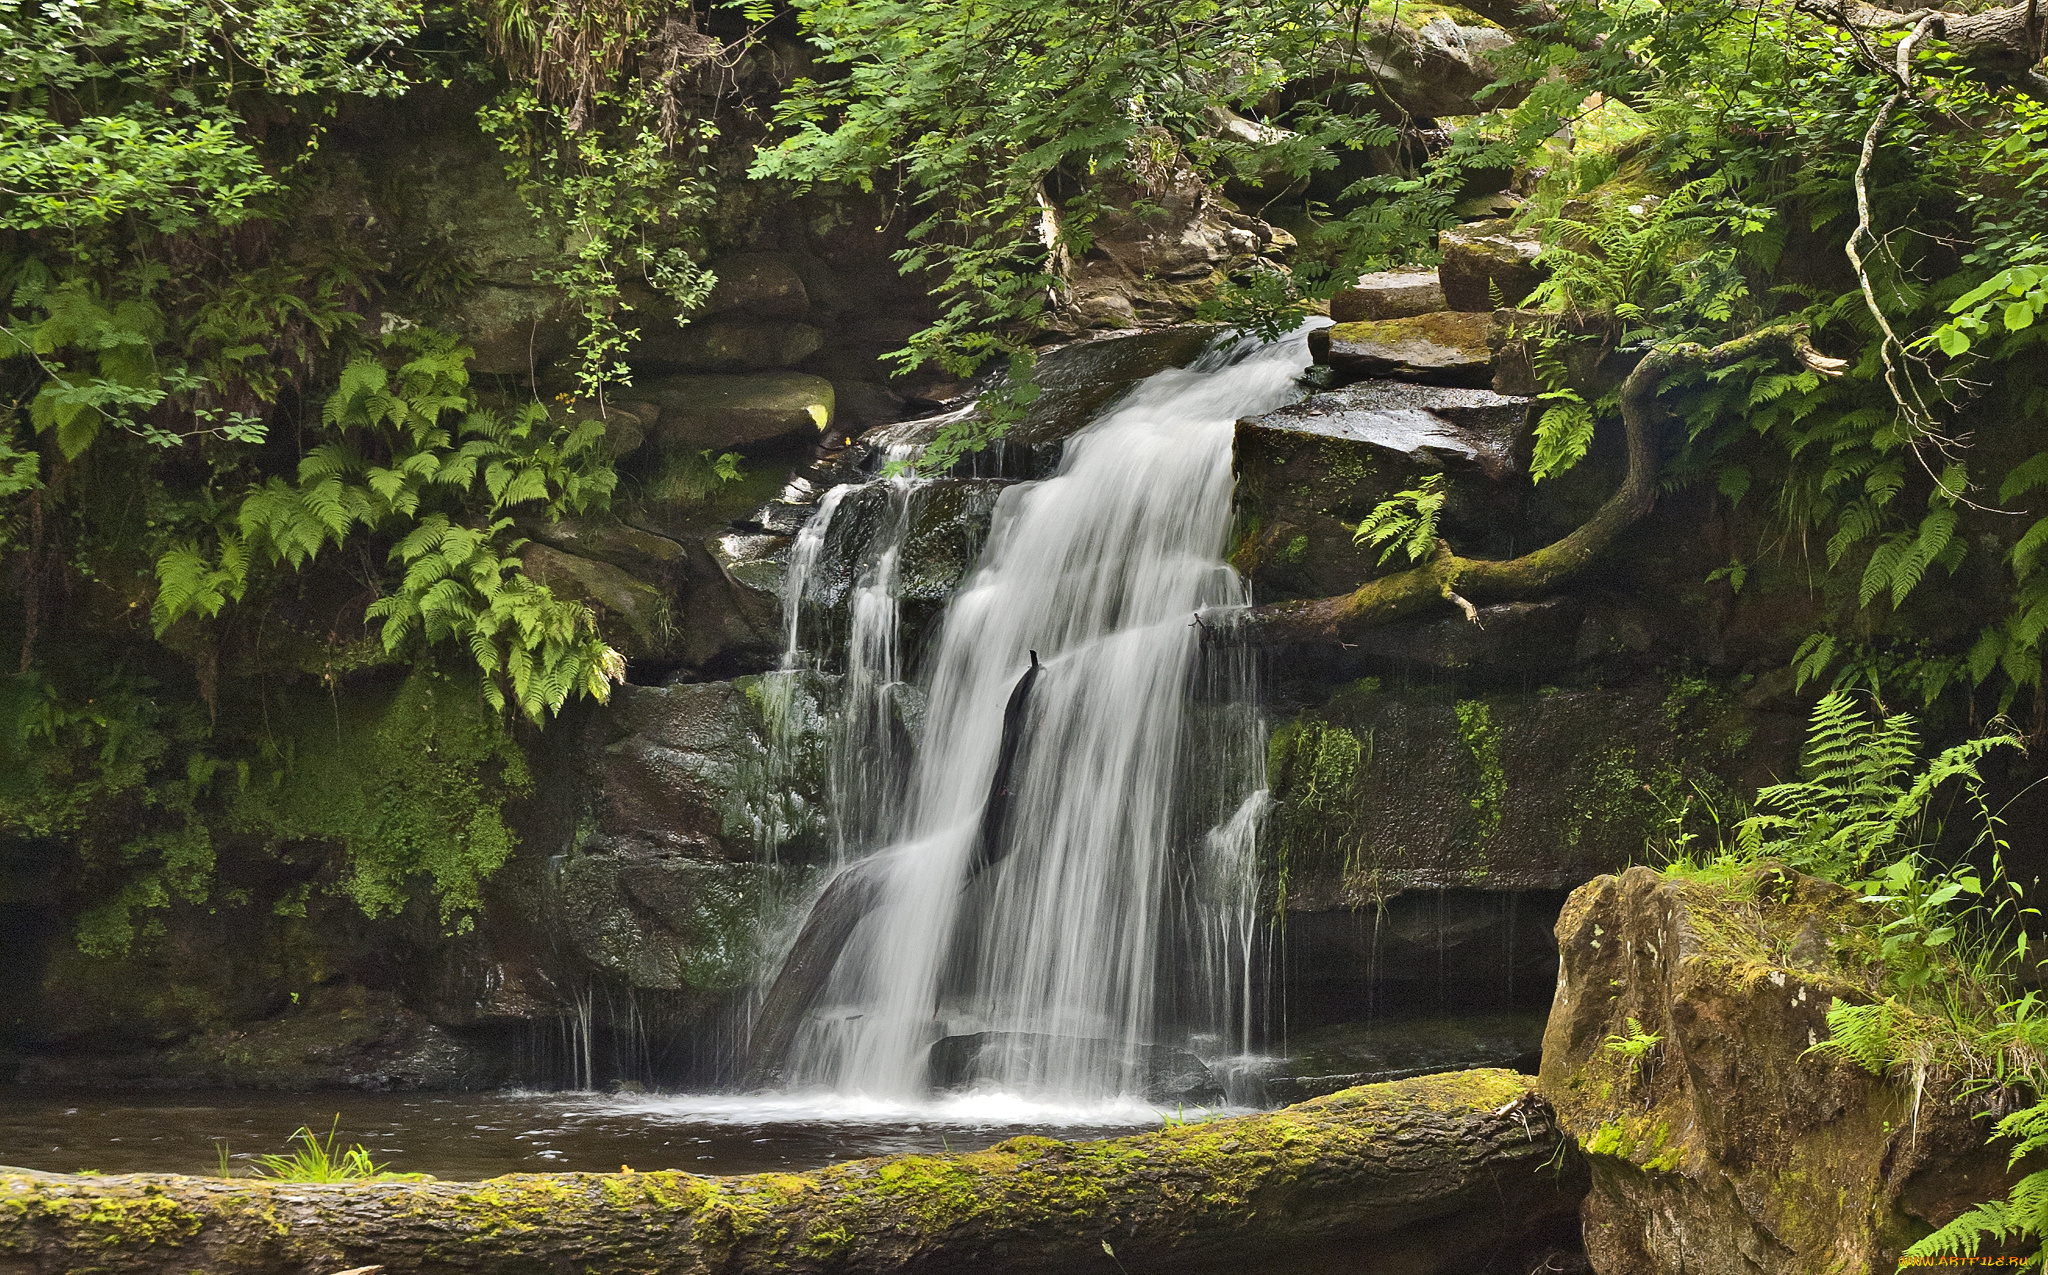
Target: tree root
{"points": [[1448, 577]]}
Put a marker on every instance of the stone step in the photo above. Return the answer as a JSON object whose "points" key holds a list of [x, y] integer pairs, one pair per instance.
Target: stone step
{"points": [[1445, 348]]}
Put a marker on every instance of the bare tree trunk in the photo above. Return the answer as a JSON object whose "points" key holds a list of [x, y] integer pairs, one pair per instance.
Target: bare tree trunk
{"points": [[1450, 1173]]}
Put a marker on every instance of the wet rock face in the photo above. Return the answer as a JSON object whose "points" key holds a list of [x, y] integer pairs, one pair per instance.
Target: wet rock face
{"points": [[1308, 474], [1390, 786], [1733, 1148], [665, 922], [686, 770], [1076, 382]]}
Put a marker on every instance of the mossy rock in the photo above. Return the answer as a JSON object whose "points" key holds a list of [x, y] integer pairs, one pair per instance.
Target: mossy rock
{"points": [[1733, 1144], [1389, 787], [1487, 264], [1309, 473], [1441, 348], [700, 412]]}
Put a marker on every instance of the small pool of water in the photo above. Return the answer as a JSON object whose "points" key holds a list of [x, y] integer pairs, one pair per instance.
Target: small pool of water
{"points": [[478, 1135]]}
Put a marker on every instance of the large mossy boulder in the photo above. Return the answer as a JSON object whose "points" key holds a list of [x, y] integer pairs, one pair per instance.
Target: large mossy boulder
{"points": [[1389, 294], [1734, 1146], [1307, 474], [1440, 1175]]}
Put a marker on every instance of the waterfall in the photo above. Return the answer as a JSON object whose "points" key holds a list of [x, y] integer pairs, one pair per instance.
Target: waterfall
{"points": [[1138, 779]]}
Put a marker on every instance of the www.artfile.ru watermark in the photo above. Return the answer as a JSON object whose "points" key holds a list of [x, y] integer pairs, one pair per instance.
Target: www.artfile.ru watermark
{"points": [[1957, 1262]]}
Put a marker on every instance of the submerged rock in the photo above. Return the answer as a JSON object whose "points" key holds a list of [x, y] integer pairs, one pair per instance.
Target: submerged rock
{"points": [[1733, 1146], [1443, 348]]}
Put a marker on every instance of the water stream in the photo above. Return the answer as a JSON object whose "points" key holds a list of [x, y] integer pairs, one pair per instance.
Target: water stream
{"points": [[1116, 920]]}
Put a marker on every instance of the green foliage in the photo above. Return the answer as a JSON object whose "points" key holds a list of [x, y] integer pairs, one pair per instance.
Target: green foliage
{"points": [[316, 1159], [414, 453], [1859, 802], [1656, 264], [1634, 1049], [411, 791], [1405, 521]]}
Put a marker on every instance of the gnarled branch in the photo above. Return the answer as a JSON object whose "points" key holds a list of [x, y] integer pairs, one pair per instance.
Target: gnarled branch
{"points": [[1446, 576]]}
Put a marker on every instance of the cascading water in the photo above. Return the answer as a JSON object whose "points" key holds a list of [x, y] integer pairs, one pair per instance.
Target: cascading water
{"points": [[1137, 784]]}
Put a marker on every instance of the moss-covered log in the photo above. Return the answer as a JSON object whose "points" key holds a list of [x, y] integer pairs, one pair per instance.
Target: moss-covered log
{"points": [[1436, 1174], [1447, 577]]}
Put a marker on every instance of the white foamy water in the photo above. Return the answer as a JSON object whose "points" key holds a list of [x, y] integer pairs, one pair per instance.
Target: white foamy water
{"points": [[1108, 856]]}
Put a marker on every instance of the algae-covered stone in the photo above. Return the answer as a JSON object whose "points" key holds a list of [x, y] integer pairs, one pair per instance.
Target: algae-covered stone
{"points": [[1390, 294], [1444, 348], [1735, 1146], [1487, 264], [714, 412]]}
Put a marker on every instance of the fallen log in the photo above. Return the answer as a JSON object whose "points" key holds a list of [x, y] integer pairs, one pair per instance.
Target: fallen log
{"points": [[1444, 1173]]}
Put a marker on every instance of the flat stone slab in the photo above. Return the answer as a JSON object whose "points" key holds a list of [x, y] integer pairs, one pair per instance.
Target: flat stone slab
{"points": [[1487, 265], [1446, 348], [698, 412], [1390, 294]]}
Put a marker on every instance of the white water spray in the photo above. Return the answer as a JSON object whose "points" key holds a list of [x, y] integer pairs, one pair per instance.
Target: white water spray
{"points": [[1134, 791]]}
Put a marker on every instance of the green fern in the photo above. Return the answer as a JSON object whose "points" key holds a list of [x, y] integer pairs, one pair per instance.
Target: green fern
{"points": [[1855, 804], [1405, 521], [2023, 1213]]}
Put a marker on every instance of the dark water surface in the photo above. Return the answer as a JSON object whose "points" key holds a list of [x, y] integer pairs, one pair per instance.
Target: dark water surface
{"points": [[475, 1135]]}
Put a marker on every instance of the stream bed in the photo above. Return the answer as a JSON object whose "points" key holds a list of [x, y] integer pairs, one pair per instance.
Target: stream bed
{"points": [[479, 1135]]}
